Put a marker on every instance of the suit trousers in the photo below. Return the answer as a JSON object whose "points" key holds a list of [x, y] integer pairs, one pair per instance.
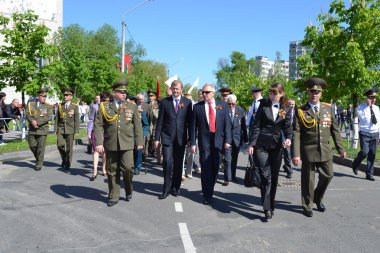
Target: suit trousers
{"points": [[368, 145], [234, 159], [287, 160], [118, 162], [37, 145], [189, 157], [65, 147], [209, 160], [226, 159], [172, 166], [269, 163], [309, 194]]}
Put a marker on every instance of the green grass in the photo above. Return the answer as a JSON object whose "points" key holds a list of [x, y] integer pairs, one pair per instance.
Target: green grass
{"points": [[20, 145]]}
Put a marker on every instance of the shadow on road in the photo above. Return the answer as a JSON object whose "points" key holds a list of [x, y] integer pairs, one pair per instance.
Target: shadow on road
{"points": [[21, 164], [69, 191]]}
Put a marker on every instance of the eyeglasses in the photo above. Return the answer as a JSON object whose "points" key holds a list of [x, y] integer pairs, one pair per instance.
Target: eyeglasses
{"points": [[206, 91], [315, 91], [231, 103], [43, 96]]}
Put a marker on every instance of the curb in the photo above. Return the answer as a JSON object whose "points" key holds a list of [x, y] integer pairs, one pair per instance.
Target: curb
{"points": [[348, 162]]}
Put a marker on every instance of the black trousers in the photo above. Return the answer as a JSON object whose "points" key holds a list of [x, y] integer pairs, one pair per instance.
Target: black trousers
{"points": [[209, 160], [234, 159], [269, 163], [172, 166], [287, 160]]}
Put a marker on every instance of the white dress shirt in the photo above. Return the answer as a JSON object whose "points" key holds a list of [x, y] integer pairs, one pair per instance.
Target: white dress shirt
{"points": [[206, 108], [364, 115]]}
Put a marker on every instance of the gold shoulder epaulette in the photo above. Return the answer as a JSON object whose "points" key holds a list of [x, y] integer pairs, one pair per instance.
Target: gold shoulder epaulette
{"points": [[325, 103]]}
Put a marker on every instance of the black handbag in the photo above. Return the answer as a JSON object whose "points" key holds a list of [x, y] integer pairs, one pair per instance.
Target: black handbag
{"points": [[252, 174]]}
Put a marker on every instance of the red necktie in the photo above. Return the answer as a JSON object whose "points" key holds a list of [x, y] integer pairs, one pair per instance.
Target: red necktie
{"points": [[211, 117]]}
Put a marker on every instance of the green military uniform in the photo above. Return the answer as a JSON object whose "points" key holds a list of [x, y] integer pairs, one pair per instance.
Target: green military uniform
{"points": [[311, 142], [66, 126], [122, 129], [41, 113], [154, 108]]}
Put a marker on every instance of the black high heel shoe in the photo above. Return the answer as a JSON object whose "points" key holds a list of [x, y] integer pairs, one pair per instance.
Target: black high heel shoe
{"points": [[93, 177]]}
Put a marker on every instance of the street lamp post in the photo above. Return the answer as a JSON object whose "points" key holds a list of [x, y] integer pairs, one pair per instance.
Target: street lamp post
{"points": [[123, 25]]}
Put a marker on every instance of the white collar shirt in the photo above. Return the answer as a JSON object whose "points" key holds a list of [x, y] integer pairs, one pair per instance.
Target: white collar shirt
{"points": [[364, 115], [207, 109]]}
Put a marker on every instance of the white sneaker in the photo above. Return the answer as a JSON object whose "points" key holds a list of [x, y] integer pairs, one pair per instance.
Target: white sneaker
{"points": [[3, 144]]}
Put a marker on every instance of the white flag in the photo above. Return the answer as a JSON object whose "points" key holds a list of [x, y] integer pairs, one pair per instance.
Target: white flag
{"points": [[195, 84], [170, 80]]}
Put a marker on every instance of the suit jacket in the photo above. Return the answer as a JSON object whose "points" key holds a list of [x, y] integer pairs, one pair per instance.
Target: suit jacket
{"points": [[312, 143], [200, 127], [148, 111], [172, 126], [267, 131], [122, 127], [67, 119], [238, 127], [42, 115]]}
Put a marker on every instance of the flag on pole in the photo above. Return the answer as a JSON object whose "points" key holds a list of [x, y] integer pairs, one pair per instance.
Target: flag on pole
{"points": [[195, 84], [170, 80], [158, 89]]}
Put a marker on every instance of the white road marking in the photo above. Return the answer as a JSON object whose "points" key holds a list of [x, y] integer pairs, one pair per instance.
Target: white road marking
{"points": [[178, 207], [186, 239]]}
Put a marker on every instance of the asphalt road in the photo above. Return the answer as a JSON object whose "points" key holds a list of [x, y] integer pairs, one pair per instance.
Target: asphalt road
{"points": [[51, 211]]}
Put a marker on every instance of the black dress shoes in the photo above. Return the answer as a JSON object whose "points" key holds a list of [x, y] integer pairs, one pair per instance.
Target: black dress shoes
{"points": [[175, 192], [225, 183], [128, 197], [111, 203], [370, 178], [163, 195], [308, 213], [355, 169], [288, 175], [268, 215], [206, 202], [321, 207], [93, 177], [37, 169]]}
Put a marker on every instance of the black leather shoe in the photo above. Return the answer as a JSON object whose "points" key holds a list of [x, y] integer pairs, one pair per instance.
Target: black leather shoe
{"points": [[93, 177], [289, 175], [225, 183], [355, 169], [111, 203], [163, 195], [37, 169], [175, 192], [206, 202], [272, 212], [370, 178], [308, 213], [128, 197], [321, 207], [268, 215]]}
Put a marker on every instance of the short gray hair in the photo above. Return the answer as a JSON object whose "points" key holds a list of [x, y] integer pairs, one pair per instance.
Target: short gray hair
{"points": [[232, 98], [209, 85]]}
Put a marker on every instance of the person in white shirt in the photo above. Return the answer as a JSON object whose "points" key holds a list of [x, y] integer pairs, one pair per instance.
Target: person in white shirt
{"points": [[369, 128]]}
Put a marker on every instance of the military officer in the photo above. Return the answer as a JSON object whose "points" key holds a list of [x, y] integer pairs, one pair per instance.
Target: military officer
{"points": [[314, 124], [38, 115], [66, 126], [153, 105], [122, 128]]}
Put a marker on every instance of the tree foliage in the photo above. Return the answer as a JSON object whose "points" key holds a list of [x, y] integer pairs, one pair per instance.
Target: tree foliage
{"points": [[25, 43], [345, 48]]}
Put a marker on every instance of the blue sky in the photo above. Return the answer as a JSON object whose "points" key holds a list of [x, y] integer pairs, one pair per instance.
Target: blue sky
{"points": [[200, 32]]}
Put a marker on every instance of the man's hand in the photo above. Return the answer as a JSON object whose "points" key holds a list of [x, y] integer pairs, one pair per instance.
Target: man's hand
{"points": [[286, 143], [140, 147], [99, 149], [296, 161], [194, 149], [250, 150], [156, 144], [227, 146], [34, 124]]}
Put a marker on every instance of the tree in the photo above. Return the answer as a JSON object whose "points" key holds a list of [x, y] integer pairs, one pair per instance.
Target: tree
{"points": [[345, 49], [25, 45]]}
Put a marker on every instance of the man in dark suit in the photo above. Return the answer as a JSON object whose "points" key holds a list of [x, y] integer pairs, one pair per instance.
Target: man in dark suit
{"points": [[238, 130], [142, 106], [172, 128], [66, 126], [212, 124], [256, 95], [287, 151], [314, 126]]}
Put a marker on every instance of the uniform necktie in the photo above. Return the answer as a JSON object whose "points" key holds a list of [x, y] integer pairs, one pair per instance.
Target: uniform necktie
{"points": [[316, 111], [373, 117], [176, 104], [232, 116], [211, 116], [254, 107]]}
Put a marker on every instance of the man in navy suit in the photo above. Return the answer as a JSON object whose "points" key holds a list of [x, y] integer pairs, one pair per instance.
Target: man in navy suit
{"points": [[238, 130], [172, 128], [212, 124]]}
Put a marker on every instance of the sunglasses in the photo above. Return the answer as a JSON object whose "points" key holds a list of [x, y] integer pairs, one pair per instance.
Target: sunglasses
{"points": [[206, 92], [231, 103], [315, 91], [43, 96], [67, 95]]}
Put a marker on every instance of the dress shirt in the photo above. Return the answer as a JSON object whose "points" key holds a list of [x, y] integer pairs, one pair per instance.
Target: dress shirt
{"points": [[364, 115], [313, 107], [255, 105], [206, 107], [174, 98], [275, 109], [67, 104]]}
